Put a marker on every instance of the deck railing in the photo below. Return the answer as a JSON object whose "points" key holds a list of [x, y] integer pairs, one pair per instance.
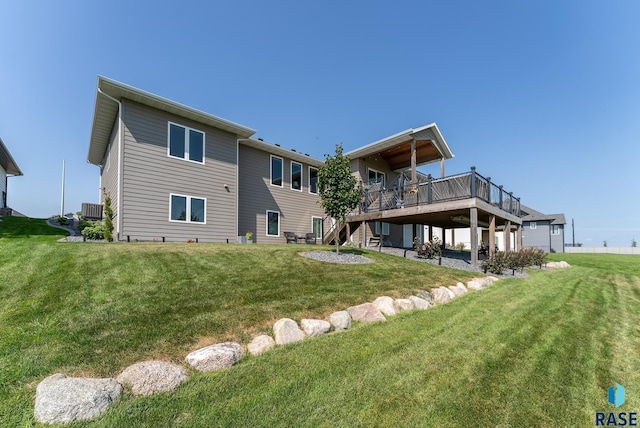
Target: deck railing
{"points": [[435, 190]]}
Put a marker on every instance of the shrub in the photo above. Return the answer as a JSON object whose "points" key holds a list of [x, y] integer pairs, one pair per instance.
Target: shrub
{"points": [[526, 257], [495, 264], [83, 223], [428, 250], [62, 221], [108, 219], [94, 232]]}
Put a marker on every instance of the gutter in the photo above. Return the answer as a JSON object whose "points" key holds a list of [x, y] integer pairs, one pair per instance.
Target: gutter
{"points": [[120, 142]]}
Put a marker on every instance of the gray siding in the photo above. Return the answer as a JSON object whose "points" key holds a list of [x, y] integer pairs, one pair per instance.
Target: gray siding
{"points": [[109, 174], [538, 237], [3, 185], [150, 176], [256, 195], [557, 241]]}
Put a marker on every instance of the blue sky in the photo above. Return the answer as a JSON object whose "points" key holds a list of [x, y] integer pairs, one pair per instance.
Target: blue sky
{"points": [[542, 96]]}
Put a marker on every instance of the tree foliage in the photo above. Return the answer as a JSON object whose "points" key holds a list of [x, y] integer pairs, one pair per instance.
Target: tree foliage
{"points": [[338, 189], [108, 219]]}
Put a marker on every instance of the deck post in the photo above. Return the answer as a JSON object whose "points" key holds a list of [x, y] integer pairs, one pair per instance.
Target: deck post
{"points": [[364, 234], [519, 237], [380, 200], [507, 236], [492, 235], [430, 236], [500, 187], [429, 190], [348, 237], [473, 216], [441, 167], [366, 200], [453, 237], [510, 202], [473, 181], [444, 237], [414, 162], [489, 190]]}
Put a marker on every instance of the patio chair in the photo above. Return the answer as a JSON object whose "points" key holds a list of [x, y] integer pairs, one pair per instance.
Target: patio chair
{"points": [[310, 238], [291, 237]]}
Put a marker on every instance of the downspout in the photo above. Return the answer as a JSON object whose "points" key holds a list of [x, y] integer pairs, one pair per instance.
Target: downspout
{"points": [[120, 142]]}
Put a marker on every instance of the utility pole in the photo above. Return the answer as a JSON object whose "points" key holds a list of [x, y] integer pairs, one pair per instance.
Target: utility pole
{"points": [[62, 195], [573, 233]]}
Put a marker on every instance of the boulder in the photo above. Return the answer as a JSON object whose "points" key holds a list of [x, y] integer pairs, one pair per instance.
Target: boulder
{"points": [[62, 399], [150, 377], [287, 331], [561, 264], [366, 312], [477, 284], [426, 296], [315, 328], [404, 304], [442, 295], [419, 302], [386, 305], [340, 320], [215, 357], [260, 344], [459, 289]]}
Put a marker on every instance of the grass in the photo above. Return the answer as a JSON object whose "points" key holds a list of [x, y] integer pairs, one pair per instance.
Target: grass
{"points": [[539, 351]]}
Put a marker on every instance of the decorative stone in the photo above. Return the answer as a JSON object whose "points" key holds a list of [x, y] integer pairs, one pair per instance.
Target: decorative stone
{"points": [[215, 357], [426, 296], [419, 302], [150, 377], [561, 264], [386, 305], [315, 328], [476, 284], [404, 304], [442, 295], [62, 399], [366, 312], [459, 289], [287, 331], [340, 320], [261, 344]]}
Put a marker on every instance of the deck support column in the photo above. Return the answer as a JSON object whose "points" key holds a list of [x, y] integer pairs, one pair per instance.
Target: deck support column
{"points": [[348, 237], [414, 163], [507, 236], [364, 234], [453, 237], [519, 237], [444, 237], [430, 233], [492, 235], [473, 216], [441, 167]]}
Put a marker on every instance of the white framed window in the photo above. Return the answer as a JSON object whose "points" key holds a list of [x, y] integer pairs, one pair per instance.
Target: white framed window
{"points": [[376, 177], [188, 209], [313, 180], [296, 176], [273, 223], [276, 171], [385, 228], [533, 225], [316, 226], [185, 143], [555, 229]]}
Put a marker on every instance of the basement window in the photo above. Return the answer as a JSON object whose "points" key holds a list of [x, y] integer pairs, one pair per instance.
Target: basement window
{"points": [[187, 209]]}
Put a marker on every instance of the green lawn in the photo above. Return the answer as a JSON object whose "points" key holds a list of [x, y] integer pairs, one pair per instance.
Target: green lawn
{"points": [[539, 351]]}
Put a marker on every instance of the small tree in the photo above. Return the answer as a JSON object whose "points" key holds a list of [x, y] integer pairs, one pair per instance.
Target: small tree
{"points": [[604, 243], [108, 219], [338, 189], [634, 244]]}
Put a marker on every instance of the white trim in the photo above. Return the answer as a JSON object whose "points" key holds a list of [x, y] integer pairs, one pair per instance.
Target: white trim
{"points": [[188, 209], [557, 226], [271, 157], [313, 217], [187, 142], [291, 163], [533, 225], [267, 223], [309, 179]]}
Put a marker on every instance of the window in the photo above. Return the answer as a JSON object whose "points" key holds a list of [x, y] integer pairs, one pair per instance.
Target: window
{"points": [[276, 171], [316, 226], [313, 180], [376, 177], [273, 223], [188, 209], [555, 229], [533, 225], [186, 143], [296, 176], [385, 228]]}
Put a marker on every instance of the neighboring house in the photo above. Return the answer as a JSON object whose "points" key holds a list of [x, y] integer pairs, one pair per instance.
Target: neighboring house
{"points": [[545, 231], [175, 173], [8, 168]]}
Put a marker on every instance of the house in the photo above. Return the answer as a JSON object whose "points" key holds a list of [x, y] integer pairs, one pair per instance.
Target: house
{"points": [[175, 173], [8, 168], [545, 231]]}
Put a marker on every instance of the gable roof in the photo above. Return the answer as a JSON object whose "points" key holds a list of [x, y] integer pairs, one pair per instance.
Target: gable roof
{"points": [[7, 162], [532, 215], [396, 149], [105, 113], [281, 151]]}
